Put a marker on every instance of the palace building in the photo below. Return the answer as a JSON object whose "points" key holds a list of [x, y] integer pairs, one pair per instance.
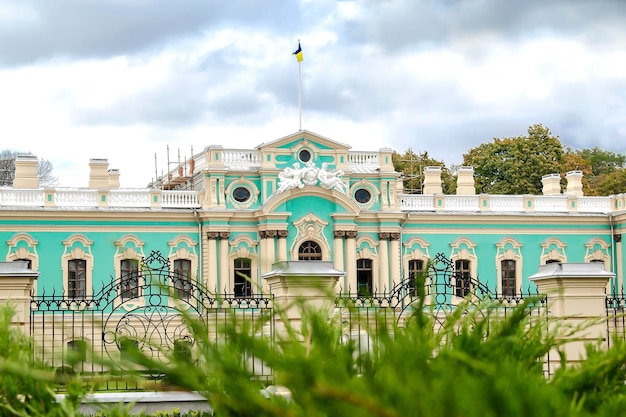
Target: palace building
{"points": [[229, 214]]}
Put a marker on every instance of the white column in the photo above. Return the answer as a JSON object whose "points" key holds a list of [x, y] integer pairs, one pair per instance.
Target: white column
{"points": [[211, 279], [271, 248], [338, 256], [225, 283], [383, 264], [351, 259], [282, 245], [394, 258]]}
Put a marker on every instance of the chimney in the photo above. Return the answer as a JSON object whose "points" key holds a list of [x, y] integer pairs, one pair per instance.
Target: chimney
{"points": [[98, 175], [26, 172], [114, 179], [432, 180], [465, 181], [574, 183], [551, 184]]}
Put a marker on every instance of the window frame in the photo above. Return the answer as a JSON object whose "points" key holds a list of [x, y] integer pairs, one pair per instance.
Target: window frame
{"points": [[73, 271], [364, 277], [242, 287]]}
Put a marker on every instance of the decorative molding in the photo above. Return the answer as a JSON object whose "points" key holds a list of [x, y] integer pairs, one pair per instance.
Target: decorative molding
{"points": [[339, 234]]}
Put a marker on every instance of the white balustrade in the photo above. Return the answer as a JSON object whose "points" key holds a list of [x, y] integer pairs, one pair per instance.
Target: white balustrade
{"points": [[22, 198], [364, 159], [74, 197], [506, 203], [461, 203], [552, 204], [129, 198], [241, 158], [180, 199], [417, 202], [594, 204], [140, 198]]}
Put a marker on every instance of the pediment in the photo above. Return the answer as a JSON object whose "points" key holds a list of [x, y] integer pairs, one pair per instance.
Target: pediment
{"points": [[310, 138]]}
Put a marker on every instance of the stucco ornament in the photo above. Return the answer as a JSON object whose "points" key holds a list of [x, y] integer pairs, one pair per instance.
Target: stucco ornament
{"points": [[298, 177]]}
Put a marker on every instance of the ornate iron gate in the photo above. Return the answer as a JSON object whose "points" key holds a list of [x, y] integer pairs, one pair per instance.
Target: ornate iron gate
{"points": [[439, 292], [147, 308]]}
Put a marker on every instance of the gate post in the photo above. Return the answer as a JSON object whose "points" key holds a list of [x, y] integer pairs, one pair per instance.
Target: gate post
{"points": [[16, 285], [576, 296], [311, 283]]}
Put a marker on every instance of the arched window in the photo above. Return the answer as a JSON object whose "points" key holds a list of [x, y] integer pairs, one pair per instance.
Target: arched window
{"points": [[77, 278], [182, 283], [364, 276], [462, 277], [129, 279], [310, 251], [243, 273], [507, 269], [416, 267]]}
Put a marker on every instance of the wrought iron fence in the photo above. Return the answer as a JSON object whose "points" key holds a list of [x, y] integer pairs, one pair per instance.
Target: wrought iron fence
{"points": [[616, 323], [149, 309], [438, 292]]}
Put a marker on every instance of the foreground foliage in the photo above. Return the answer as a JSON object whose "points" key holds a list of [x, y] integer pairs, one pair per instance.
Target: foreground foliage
{"points": [[478, 364]]}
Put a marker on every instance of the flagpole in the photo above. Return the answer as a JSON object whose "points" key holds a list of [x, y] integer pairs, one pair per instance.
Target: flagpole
{"points": [[300, 94], [300, 90]]}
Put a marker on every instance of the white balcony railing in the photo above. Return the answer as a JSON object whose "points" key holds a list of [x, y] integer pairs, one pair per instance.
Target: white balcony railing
{"points": [[180, 199], [145, 198]]}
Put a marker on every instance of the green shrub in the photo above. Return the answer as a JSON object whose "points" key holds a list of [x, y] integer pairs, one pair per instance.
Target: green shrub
{"points": [[27, 388]]}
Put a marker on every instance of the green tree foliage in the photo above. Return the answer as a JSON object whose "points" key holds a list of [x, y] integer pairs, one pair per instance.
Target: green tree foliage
{"points": [[27, 388], [412, 164], [602, 161], [479, 364], [7, 169], [613, 183], [603, 170], [515, 165]]}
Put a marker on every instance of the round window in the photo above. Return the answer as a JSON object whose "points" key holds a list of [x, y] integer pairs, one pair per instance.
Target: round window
{"points": [[241, 194], [304, 155], [362, 195]]}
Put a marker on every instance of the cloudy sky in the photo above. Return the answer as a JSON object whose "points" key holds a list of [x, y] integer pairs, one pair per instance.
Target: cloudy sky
{"points": [[126, 79]]}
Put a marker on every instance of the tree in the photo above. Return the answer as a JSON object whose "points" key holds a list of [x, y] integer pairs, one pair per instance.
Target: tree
{"points": [[412, 164], [515, 165], [7, 169], [613, 183], [600, 168], [603, 161], [572, 161]]}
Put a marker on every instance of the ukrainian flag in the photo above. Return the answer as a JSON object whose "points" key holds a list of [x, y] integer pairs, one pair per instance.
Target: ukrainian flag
{"points": [[298, 53]]}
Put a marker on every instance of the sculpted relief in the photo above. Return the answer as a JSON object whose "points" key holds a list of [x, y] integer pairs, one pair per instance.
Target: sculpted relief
{"points": [[298, 177]]}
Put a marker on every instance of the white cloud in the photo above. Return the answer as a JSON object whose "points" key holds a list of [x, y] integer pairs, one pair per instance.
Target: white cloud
{"points": [[435, 76]]}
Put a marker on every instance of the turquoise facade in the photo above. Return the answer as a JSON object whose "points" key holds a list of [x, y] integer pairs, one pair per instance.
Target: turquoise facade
{"points": [[228, 205]]}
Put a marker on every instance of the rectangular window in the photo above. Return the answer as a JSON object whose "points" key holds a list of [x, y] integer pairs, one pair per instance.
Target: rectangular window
{"points": [[182, 278], [77, 278], [243, 273], [364, 277], [129, 279], [508, 277], [416, 268], [462, 277]]}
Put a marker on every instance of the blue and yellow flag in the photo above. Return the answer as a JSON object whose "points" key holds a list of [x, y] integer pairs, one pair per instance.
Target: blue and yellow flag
{"points": [[298, 53]]}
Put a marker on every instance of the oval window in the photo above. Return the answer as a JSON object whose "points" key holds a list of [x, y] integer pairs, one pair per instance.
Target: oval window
{"points": [[241, 194], [304, 155], [362, 195]]}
